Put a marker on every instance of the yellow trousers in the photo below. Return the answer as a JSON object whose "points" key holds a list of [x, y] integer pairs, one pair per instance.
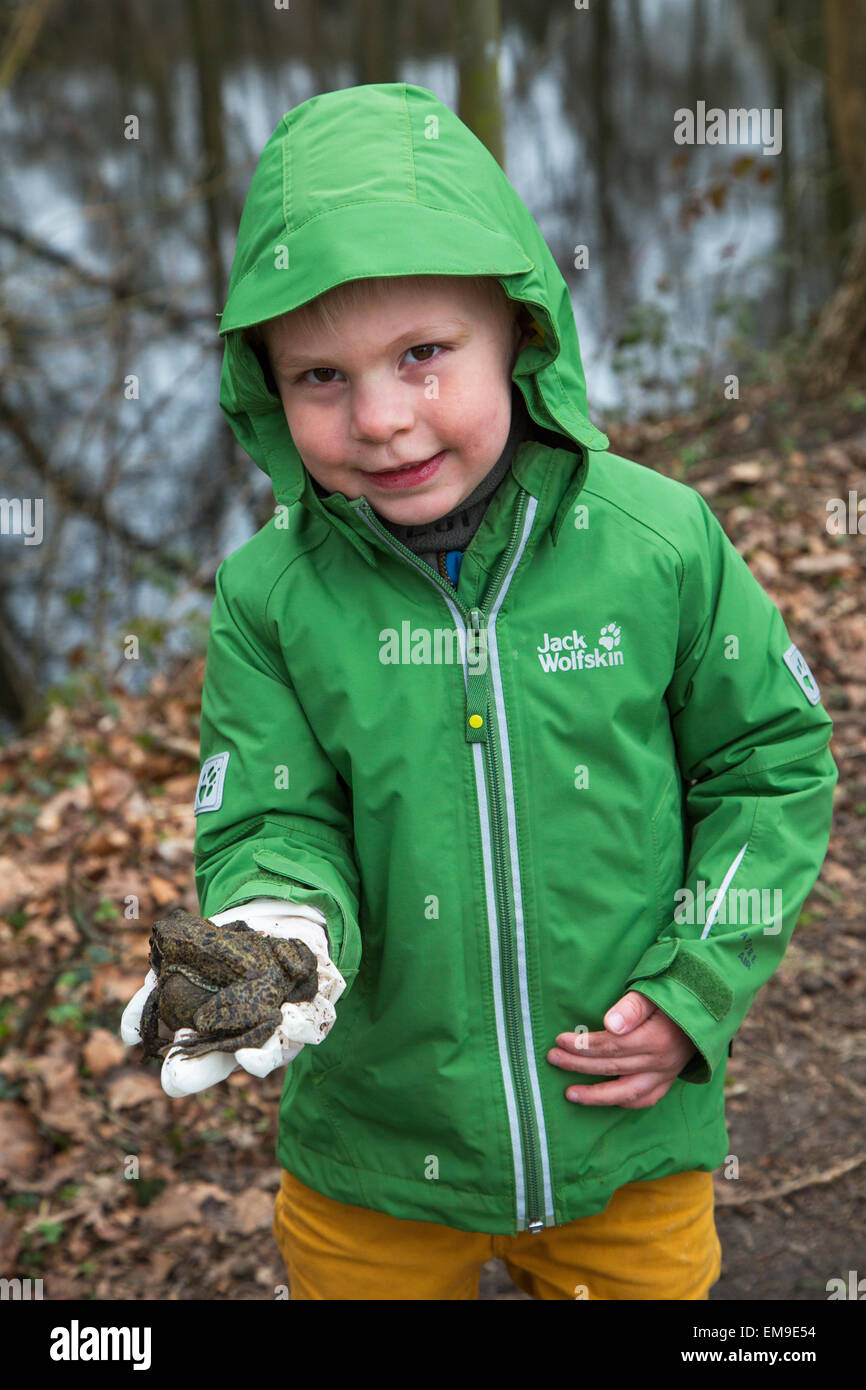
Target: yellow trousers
{"points": [[654, 1240]]}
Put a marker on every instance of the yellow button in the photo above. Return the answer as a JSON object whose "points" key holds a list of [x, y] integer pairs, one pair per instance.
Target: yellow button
{"points": [[475, 721]]}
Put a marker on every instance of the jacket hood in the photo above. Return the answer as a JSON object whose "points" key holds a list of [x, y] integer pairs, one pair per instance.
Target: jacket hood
{"points": [[382, 180]]}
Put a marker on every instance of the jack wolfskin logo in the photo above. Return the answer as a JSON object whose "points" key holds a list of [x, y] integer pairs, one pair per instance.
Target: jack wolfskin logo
{"points": [[209, 792], [570, 652], [796, 664]]}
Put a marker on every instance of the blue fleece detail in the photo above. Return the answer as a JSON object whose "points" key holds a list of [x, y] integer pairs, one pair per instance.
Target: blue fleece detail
{"points": [[453, 561]]}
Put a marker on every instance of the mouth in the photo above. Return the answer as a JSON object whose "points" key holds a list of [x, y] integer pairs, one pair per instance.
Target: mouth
{"points": [[408, 474]]}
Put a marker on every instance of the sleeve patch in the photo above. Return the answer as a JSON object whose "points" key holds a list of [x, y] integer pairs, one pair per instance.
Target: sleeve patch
{"points": [[209, 792], [797, 665]]}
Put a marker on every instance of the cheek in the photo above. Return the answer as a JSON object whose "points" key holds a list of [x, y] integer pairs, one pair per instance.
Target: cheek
{"points": [[316, 433], [477, 415]]}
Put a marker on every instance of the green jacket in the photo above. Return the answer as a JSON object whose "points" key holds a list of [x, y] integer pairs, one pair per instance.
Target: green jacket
{"points": [[504, 843]]}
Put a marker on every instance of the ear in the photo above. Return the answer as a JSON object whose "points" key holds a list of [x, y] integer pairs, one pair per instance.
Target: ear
{"points": [[524, 329]]}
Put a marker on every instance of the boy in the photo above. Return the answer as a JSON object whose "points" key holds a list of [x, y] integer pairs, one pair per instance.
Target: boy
{"points": [[508, 720]]}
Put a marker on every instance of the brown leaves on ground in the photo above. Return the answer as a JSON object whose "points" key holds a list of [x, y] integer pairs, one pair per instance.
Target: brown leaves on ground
{"points": [[111, 1189]]}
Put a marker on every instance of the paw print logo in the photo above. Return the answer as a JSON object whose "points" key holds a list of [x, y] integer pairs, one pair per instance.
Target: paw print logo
{"points": [[208, 782], [209, 792], [610, 635]]}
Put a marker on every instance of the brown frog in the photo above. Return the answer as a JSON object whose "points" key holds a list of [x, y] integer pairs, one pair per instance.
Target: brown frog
{"points": [[227, 983]]}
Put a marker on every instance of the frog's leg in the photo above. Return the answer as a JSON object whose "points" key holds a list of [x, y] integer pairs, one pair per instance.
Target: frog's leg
{"points": [[253, 1037], [228, 1019], [299, 965]]}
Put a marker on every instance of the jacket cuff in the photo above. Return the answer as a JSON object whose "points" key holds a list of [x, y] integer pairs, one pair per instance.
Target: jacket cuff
{"points": [[674, 976]]}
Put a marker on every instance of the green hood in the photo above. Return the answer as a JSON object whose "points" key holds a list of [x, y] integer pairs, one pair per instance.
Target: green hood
{"points": [[385, 180]]}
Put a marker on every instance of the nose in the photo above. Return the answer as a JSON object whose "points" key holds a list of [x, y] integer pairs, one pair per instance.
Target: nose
{"points": [[380, 408]]}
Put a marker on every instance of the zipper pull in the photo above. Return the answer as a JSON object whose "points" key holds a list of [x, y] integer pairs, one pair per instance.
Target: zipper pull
{"points": [[476, 681], [475, 634]]}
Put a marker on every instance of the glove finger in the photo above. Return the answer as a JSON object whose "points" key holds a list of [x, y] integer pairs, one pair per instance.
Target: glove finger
{"points": [[309, 1022], [261, 1061], [331, 982], [184, 1076], [130, 1023], [300, 1024]]}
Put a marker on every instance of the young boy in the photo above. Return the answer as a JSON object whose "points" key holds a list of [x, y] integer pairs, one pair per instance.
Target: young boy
{"points": [[507, 718]]}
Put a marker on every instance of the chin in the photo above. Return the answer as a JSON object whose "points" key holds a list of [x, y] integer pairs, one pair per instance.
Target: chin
{"points": [[417, 511]]}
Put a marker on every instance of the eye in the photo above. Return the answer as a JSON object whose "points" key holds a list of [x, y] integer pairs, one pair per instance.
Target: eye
{"points": [[319, 380], [314, 376], [425, 347]]}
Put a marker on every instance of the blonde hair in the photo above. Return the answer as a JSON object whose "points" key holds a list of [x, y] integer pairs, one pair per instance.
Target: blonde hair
{"points": [[323, 311]]}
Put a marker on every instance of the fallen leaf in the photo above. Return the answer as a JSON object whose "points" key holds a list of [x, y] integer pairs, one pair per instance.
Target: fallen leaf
{"points": [[104, 1050], [161, 890], [110, 785], [107, 839], [177, 1206], [134, 1088], [10, 1240], [20, 1144], [253, 1211], [55, 811]]}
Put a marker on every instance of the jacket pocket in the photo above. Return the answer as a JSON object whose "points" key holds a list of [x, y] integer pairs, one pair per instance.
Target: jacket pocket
{"points": [[667, 828]]}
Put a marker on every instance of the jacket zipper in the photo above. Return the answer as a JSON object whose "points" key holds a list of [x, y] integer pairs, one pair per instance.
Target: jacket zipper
{"points": [[528, 1135]]}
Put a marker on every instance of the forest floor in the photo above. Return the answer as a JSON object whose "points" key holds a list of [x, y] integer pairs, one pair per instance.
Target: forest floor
{"points": [[112, 1191]]}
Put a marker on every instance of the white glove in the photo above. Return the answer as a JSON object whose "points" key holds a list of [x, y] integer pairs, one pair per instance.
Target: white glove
{"points": [[307, 1022]]}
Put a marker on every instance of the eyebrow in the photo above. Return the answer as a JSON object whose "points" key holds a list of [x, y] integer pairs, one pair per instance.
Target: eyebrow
{"points": [[442, 328]]}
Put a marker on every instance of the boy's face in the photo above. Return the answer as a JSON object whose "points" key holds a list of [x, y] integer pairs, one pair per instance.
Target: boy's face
{"points": [[422, 372]]}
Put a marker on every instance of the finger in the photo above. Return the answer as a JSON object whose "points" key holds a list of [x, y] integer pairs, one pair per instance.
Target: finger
{"points": [[130, 1023], [610, 1065], [601, 1044], [184, 1076], [631, 1092], [628, 1012], [261, 1061]]}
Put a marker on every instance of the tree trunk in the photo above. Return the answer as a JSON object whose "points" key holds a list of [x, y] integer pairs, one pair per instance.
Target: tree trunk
{"points": [[845, 29], [476, 27], [372, 61], [840, 335]]}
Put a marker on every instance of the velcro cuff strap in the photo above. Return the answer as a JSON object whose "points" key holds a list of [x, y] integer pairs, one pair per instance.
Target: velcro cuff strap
{"points": [[706, 984]]}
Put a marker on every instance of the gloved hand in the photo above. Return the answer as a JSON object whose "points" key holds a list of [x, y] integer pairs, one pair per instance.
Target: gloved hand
{"points": [[301, 1023]]}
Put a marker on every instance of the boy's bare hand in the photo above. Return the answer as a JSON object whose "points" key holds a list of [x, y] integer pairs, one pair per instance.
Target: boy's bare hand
{"points": [[646, 1054]]}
